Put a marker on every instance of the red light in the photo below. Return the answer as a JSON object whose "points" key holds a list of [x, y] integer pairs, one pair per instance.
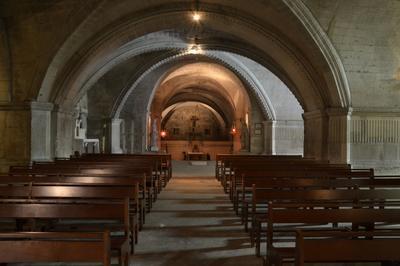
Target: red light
{"points": [[233, 131], [163, 134]]}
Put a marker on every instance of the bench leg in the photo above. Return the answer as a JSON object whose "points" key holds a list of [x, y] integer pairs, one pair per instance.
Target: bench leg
{"points": [[137, 234], [257, 238], [126, 262], [246, 220], [132, 244]]}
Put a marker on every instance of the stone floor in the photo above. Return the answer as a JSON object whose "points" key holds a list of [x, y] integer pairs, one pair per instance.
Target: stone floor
{"points": [[192, 223]]}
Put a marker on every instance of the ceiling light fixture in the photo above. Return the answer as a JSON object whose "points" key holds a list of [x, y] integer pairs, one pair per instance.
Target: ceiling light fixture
{"points": [[196, 16]]}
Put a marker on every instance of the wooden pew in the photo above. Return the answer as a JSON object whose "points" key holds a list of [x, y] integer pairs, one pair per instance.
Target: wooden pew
{"points": [[248, 177], [77, 188], [77, 212], [66, 167], [271, 166], [385, 198], [160, 162], [375, 246], [289, 216], [222, 160], [30, 247], [54, 172], [74, 192]]}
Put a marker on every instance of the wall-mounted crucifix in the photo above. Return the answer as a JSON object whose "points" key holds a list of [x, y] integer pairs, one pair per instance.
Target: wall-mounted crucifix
{"points": [[194, 120]]}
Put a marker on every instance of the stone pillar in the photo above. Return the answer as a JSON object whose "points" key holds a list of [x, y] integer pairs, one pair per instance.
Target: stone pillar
{"points": [[131, 136], [63, 127], [339, 135], [116, 135], [269, 137], [326, 135], [316, 135], [41, 140]]}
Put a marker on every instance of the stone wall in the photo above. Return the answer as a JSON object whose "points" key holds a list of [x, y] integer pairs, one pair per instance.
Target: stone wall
{"points": [[5, 65], [179, 125], [375, 141], [14, 137], [289, 137]]}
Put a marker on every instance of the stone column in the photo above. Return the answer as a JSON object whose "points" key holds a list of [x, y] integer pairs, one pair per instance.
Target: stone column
{"points": [[339, 135], [131, 136], [41, 140], [116, 135], [63, 127], [269, 137], [315, 135]]}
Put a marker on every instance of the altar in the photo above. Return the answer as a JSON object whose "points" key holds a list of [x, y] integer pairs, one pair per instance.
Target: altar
{"points": [[196, 156]]}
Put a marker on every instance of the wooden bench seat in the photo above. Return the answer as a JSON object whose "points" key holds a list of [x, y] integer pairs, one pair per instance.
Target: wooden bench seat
{"points": [[75, 189], [267, 168], [152, 186], [306, 177], [94, 179], [222, 160], [31, 247], [375, 246], [93, 212], [335, 198], [294, 219]]}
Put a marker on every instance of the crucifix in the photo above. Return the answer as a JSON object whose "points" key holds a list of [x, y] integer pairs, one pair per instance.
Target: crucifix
{"points": [[194, 120]]}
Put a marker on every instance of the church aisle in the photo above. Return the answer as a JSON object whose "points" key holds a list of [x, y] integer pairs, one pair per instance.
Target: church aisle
{"points": [[192, 223]]}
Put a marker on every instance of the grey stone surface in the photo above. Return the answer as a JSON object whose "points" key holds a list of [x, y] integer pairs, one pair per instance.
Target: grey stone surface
{"points": [[193, 223], [366, 35]]}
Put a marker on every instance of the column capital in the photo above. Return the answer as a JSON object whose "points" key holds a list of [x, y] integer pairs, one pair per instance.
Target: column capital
{"points": [[339, 111], [41, 106], [314, 114], [116, 121], [269, 122], [334, 111]]}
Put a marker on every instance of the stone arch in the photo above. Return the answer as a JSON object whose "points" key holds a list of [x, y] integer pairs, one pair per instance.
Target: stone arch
{"points": [[255, 33], [250, 81], [294, 57]]}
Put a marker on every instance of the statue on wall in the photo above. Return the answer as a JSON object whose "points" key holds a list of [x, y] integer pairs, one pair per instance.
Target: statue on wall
{"points": [[244, 135], [80, 130]]}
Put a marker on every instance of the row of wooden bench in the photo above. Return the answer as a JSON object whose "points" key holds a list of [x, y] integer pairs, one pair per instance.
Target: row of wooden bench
{"points": [[83, 209], [324, 203]]}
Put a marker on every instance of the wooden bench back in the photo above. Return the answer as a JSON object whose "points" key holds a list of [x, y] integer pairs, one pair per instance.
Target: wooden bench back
{"points": [[117, 211], [28, 247], [278, 215], [346, 246], [312, 183], [325, 195], [72, 179]]}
